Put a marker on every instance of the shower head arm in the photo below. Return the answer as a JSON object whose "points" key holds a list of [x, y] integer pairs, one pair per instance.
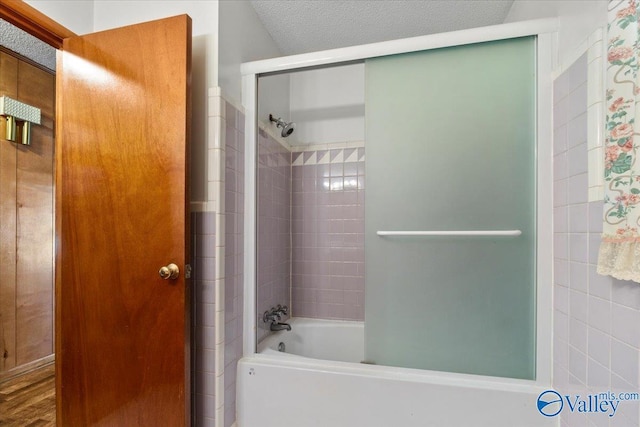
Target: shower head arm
{"points": [[278, 121]]}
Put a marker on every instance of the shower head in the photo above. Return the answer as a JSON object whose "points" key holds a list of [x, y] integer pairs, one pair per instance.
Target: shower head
{"points": [[287, 128]]}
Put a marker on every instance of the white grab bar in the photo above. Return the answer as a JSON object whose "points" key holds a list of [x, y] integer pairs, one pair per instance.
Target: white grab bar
{"points": [[470, 233]]}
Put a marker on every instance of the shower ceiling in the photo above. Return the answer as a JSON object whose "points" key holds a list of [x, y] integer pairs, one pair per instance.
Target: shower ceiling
{"points": [[299, 26]]}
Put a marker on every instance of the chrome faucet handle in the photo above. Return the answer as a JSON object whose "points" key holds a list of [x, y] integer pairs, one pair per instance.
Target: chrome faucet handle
{"points": [[282, 310], [270, 316]]}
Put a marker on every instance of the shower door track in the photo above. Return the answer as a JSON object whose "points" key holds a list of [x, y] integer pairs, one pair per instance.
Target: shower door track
{"points": [[465, 233]]}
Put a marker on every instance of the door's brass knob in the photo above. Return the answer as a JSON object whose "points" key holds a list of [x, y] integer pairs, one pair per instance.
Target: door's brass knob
{"points": [[170, 271]]}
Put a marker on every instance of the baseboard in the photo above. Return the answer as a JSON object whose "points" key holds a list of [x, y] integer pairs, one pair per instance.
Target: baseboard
{"points": [[26, 368]]}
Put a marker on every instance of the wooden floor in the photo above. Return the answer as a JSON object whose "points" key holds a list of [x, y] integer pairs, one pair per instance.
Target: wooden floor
{"points": [[29, 400]]}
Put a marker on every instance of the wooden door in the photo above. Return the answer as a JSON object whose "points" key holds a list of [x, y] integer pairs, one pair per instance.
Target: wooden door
{"points": [[122, 343]]}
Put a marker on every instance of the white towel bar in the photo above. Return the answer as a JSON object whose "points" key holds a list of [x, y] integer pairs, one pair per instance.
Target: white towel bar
{"points": [[470, 233]]}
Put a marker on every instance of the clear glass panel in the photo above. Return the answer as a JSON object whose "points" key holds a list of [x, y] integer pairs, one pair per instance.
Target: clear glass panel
{"points": [[451, 146]]}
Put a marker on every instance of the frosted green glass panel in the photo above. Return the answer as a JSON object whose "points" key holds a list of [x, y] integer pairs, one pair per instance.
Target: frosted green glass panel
{"points": [[450, 137]]}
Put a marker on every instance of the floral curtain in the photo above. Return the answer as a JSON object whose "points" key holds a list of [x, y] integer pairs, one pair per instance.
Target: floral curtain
{"points": [[619, 254]]}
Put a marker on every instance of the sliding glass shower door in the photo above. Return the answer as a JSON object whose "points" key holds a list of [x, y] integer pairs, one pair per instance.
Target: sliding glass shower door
{"points": [[451, 150]]}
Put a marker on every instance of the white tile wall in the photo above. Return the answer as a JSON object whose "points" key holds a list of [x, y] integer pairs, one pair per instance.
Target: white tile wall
{"points": [[594, 132], [234, 267], [596, 318], [203, 253]]}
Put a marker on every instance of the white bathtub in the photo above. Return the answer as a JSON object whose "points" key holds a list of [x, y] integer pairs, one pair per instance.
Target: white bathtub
{"points": [[319, 339], [290, 390]]}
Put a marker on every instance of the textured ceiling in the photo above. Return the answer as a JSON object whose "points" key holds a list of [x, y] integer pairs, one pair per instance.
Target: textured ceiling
{"points": [[299, 26], [25, 44]]}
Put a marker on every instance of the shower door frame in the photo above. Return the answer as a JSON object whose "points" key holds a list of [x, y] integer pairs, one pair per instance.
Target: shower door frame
{"points": [[545, 32]]}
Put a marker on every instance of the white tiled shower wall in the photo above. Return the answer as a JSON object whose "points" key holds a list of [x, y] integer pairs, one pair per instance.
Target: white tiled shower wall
{"points": [[596, 318], [273, 276], [217, 258], [327, 233], [234, 242], [203, 262]]}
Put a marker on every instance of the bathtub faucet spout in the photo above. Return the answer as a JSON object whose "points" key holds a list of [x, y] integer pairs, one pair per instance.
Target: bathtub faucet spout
{"points": [[273, 318], [280, 326]]}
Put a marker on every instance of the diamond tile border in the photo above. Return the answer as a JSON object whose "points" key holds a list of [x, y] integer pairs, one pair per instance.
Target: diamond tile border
{"points": [[325, 157]]}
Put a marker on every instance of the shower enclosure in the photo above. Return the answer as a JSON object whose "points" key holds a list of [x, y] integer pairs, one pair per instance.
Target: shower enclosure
{"points": [[450, 209], [457, 210]]}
